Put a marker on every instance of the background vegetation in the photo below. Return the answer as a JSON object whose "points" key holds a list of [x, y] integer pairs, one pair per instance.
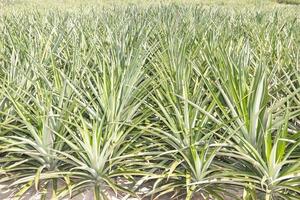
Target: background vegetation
{"points": [[71, 4], [295, 2], [190, 101]]}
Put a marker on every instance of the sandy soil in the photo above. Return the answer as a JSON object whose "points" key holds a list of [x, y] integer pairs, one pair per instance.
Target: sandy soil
{"points": [[6, 194]]}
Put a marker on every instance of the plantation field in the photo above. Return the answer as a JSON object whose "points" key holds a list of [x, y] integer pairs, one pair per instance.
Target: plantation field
{"points": [[185, 100]]}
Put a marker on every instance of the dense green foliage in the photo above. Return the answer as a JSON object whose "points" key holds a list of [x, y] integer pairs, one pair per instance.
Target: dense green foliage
{"points": [[289, 1], [189, 101]]}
